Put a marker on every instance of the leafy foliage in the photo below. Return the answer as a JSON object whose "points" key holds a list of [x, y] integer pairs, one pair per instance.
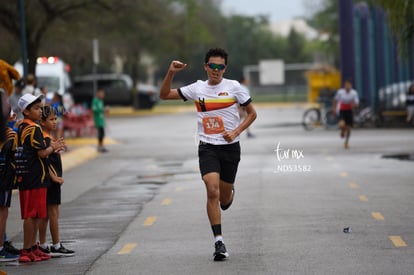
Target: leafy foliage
{"points": [[132, 31]]}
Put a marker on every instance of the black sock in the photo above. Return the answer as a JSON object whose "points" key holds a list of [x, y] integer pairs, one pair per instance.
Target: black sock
{"points": [[28, 250], [216, 229]]}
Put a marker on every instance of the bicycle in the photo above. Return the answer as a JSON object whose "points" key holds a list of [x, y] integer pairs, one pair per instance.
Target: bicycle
{"points": [[365, 116], [319, 116]]}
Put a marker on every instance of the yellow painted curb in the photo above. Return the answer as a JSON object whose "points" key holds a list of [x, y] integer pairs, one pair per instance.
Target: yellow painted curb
{"points": [[82, 141], [78, 156]]}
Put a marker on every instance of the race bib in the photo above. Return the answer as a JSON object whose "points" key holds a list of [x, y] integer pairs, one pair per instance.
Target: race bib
{"points": [[213, 125]]}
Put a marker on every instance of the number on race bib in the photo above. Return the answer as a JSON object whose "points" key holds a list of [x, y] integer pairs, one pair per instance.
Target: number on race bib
{"points": [[213, 125]]}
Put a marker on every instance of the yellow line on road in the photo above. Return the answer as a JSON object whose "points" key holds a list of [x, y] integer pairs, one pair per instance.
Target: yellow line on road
{"points": [[178, 189], [344, 174], [363, 198], [150, 220], [166, 201], [397, 241], [127, 248], [378, 216], [353, 185]]}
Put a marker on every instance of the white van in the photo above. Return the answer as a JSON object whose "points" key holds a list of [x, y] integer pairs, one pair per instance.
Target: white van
{"points": [[52, 73]]}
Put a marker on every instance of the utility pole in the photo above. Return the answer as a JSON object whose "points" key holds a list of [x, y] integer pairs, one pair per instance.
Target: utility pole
{"points": [[23, 37]]}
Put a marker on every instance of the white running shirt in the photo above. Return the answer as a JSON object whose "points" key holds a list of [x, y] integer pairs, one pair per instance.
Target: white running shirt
{"points": [[346, 99], [217, 107]]}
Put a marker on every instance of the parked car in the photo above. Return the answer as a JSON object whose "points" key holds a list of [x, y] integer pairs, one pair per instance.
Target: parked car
{"points": [[117, 87], [392, 97], [118, 90], [148, 95]]}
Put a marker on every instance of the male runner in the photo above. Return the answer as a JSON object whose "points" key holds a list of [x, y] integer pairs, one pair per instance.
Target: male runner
{"points": [[219, 128]]}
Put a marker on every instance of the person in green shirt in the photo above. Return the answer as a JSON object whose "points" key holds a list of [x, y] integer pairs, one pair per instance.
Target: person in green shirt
{"points": [[98, 110]]}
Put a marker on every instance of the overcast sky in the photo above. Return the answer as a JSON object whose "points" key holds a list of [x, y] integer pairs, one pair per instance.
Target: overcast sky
{"points": [[278, 10]]}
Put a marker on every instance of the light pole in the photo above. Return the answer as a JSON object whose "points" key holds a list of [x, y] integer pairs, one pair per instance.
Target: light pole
{"points": [[23, 37], [95, 53]]}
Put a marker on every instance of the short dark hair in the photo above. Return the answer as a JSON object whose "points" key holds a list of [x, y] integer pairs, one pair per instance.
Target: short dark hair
{"points": [[48, 110], [216, 52]]}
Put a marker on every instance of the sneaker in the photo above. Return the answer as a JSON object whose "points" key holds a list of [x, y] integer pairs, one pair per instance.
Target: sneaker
{"points": [[225, 207], [221, 252], [44, 250], [6, 256], [27, 257], [102, 150], [61, 252], [39, 253], [10, 248]]}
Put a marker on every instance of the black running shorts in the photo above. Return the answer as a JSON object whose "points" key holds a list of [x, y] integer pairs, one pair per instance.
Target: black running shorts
{"points": [[54, 193], [347, 116], [223, 159], [5, 198]]}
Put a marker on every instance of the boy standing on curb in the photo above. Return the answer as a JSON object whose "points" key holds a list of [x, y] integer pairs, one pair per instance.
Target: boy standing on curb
{"points": [[32, 175], [49, 124], [7, 176]]}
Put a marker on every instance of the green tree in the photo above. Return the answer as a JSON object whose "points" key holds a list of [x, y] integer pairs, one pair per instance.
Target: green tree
{"points": [[40, 15], [324, 18], [401, 21], [248, 40]]}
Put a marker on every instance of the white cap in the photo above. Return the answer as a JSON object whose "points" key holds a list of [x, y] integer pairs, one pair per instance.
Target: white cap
{"points": [[26, 100]]}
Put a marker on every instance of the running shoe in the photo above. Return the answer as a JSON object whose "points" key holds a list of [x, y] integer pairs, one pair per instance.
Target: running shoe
{"points": [[27, 257], [6, 256], [225, 207], [44, 250], [221, 253], [61, 252], [10, 248], [39, 253]]}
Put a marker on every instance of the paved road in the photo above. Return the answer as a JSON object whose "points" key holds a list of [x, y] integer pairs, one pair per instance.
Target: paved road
{"points": [[140, 209]]}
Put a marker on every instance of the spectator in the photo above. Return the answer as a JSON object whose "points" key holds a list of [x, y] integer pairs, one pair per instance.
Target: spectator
{"points": [[15, 96], [409, 102], [32, 177], [49, 124], [98, 109], [31, 86]]}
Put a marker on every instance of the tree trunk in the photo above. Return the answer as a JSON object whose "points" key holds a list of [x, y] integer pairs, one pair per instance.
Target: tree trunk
{"points": [[32, 49]]}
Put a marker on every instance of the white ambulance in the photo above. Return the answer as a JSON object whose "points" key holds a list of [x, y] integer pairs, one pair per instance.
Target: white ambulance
{"points": [[52, 73]]}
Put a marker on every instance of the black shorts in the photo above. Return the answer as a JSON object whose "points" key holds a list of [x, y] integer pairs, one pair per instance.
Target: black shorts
{"points": [[5, 198], [223, 159], [347, 116], [53, 194]]}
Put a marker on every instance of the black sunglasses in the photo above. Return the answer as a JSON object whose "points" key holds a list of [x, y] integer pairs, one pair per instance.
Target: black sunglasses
{"points": [[215, 66]]}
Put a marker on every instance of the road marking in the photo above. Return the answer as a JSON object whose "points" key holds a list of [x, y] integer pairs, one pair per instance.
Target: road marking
{"points": [[127, 248], [397, 241], [353, 185], [329, 158], [178, 189], [363, 198], [166, 201], [344, 174], [378, 216], [150, 220], [77, 157]]}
